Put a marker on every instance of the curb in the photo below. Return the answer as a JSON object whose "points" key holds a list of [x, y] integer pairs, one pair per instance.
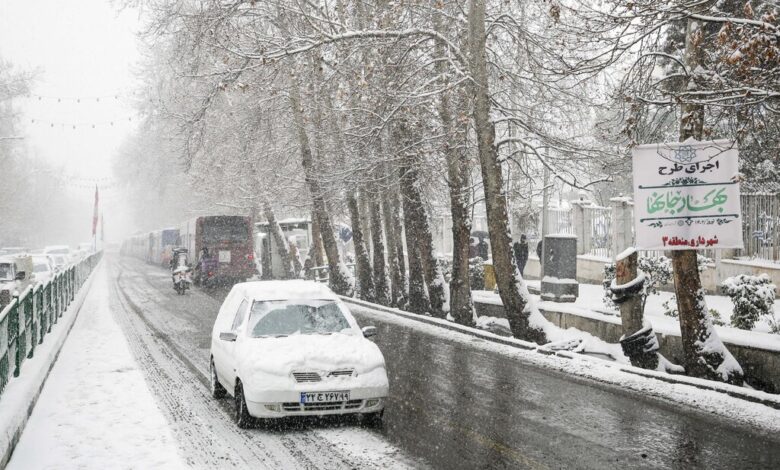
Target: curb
{"points": [[730, 390], [31, 390]]}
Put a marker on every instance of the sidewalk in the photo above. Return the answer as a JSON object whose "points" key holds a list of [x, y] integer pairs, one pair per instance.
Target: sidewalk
{"points": [[95, 410]]}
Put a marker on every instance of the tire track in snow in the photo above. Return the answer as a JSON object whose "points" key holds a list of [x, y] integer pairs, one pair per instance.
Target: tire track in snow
{"points": [[319, 448]]}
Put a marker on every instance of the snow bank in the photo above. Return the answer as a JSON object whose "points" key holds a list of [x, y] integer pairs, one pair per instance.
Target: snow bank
{"points": [[697, 393], [21, 393]]}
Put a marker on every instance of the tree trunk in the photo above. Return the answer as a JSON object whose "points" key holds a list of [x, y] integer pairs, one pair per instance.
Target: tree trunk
{"points": [[418, 290], [704, 352], [461, 306], [507, 276], [365, 281], [280, 242], [414, 215], [393, 230], [340, 279], [380, 271], [317, 259]]}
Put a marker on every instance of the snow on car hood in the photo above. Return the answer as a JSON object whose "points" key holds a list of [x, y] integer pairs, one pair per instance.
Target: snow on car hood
{"points": [[281, 356]]}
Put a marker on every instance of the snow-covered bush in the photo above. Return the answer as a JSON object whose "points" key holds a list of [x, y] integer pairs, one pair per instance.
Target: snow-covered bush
{"points": [[670, 310], [657, 270], [477, 273], [752, 296]]}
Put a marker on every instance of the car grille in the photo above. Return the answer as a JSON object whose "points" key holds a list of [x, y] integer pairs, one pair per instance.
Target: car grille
{"points": [[306, 377], [341, 373], [336, 405], [310, 376]]}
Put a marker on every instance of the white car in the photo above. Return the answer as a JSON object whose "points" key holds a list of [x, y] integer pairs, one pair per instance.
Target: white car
{"points": [[61, 250], [292, 348], [60, 262], [43, 267]]}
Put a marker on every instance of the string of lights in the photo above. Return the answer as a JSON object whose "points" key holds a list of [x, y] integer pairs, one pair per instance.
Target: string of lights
{"points": [[111, 97], [80, 125]]}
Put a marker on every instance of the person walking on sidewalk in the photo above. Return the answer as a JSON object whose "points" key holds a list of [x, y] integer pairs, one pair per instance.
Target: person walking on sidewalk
{"points": [[521, 253]]}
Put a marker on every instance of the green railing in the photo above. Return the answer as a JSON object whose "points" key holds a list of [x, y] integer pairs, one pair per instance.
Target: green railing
{"points": [[28, 317]]}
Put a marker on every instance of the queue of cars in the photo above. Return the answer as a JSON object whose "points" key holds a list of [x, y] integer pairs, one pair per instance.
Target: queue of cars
{"points": [[20, 267]]}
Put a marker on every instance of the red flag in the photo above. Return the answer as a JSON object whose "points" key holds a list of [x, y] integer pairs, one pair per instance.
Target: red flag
{"points": [[95, 214]]}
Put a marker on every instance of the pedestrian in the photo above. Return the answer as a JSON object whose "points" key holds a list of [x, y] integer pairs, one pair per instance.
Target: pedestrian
{"points": [[482, 249], [521, 253], [539, 250]]}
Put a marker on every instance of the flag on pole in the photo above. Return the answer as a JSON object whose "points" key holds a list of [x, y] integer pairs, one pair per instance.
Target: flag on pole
{"points": [[95, 214]]}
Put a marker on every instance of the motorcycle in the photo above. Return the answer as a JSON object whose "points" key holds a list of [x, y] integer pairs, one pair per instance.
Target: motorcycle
{"points": [[181, 272]]}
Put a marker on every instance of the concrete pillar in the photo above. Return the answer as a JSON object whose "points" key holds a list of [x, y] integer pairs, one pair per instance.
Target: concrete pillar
{"points": [[582, 224], [622, 224]]}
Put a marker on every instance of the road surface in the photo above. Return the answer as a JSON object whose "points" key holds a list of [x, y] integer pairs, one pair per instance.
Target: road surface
{"points": [[452, 404]]}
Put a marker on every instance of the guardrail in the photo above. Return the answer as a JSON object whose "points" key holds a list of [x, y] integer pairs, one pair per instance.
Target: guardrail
{"points": [[28, 317]]}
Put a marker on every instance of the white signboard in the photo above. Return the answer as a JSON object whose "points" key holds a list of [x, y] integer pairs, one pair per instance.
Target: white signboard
{"points": [[686, 196]]}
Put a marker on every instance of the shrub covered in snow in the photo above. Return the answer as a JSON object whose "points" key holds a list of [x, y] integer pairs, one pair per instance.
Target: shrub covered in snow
{"points": [[477, 273], [753, 297]]}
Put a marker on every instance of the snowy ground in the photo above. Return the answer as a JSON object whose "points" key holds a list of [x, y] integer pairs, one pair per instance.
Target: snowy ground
{"points": [[95, 410]]}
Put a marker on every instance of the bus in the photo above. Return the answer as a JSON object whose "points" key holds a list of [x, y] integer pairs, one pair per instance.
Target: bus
{"points": [[228, 240], [161, 244], [297, 233]]}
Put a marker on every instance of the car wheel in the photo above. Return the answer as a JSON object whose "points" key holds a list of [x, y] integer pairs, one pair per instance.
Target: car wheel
{"points": [[243, 418], [217, 390], [374, 420]]}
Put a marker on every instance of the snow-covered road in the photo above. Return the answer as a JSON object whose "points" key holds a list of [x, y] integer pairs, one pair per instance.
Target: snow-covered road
{"points": [[455, 402]]}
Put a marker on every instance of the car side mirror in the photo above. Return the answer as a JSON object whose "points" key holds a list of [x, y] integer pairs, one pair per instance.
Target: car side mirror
{"points": [[228, 336], [369, 331], [20, 276]]}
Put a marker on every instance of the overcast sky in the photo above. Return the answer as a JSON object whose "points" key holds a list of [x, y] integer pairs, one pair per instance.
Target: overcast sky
{"points": [[83, 50]]}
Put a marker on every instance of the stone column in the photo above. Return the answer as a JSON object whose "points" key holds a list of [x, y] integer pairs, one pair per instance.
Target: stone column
{"points": [[582, 224], [622, 224]]}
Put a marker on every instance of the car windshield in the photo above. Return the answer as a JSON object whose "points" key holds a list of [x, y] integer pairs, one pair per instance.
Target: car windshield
{"points": [[6, 273], [290, 317], [41, 268]]}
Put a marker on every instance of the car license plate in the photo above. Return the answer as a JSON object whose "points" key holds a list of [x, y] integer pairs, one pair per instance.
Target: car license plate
{"points": [[324, 397], [224, 256]]}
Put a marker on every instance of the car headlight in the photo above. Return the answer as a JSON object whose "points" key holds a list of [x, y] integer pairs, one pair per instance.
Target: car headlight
{"points": [[273, 407]]}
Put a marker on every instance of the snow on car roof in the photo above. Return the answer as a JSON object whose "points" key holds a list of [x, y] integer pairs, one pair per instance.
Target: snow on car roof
{"points": [[284, 290]]}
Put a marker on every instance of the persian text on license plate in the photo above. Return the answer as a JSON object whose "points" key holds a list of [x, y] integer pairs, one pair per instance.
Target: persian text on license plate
{"points": [[324, 397]]}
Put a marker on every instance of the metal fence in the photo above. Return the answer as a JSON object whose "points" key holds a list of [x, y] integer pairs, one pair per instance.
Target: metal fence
{"points": [[28, 317], [560, 221], [761, 225], [598, 227]]}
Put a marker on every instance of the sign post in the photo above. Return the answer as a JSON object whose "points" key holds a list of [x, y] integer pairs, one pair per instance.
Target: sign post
{"points": [[687, 196], [687, 199]]}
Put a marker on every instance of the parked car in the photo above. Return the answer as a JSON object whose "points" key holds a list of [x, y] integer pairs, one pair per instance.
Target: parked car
{"points": [[15, 276], [63, 250], [292, 348], [60, 262], [43, 268]]}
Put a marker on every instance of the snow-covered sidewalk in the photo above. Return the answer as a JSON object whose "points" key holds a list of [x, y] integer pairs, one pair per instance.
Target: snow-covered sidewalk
{"points": [[95, 410]]}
